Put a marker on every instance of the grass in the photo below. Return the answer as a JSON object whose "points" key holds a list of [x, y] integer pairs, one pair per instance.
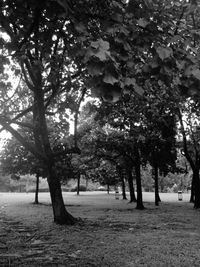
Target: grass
{"points": [[113, 232]]}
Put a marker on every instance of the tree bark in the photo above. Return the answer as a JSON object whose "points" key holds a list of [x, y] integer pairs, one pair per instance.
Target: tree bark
{"points": [[131, 187], [157, 197], [78, 184], [108, 188], [192, 191], [123, 188], [139, 205], [61, 215], [121, 177], [37, 188], [196, 189]]}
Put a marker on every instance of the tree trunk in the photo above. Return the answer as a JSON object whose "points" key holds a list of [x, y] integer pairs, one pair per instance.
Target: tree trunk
{"points": [[196, 189], [61, 216], [157, 197], [123, 188], [121, 176], [108, 188], [86, 182], [131, 187], [140, 205], [192, 190], [37, 188], [78, 183]]}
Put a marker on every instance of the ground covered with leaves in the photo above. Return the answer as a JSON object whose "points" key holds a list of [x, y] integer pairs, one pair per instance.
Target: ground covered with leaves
{"points": [[111, 233]]}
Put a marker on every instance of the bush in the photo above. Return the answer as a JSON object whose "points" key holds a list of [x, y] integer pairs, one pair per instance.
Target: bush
{"points": [[81, 188], [101, 188], [41, 190], [64, 189]]}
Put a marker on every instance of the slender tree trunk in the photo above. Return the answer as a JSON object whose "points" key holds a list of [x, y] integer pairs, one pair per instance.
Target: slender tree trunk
{"points": [[37, 188], [140, 205], [123, 188], [192, 191], [157, 197], [78, 183], [196, 189], [131, 187], [108, 188], [86, 182], [121, 176]]}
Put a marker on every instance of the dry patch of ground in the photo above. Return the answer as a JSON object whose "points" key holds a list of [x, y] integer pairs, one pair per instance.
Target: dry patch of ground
{"points": [[113, 233]]}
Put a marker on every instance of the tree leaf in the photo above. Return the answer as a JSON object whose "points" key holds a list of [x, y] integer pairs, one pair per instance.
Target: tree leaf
{"points": [[142, 22], [109, 78], [80, 27], [138, 89], [99, 49], [104, 45], [196, 73], [189, 70], [95, 68], [164, 52], [117, 17], [129, 81]]}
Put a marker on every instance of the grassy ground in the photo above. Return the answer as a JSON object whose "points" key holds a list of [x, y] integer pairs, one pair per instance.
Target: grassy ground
{"points": [[113, 232]]}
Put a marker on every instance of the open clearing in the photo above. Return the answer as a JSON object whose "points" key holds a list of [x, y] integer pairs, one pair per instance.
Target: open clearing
{"points": [[112, 233]]}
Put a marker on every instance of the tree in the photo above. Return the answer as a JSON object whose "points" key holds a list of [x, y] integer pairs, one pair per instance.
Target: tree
{"points": [[109, 46], [160, 148], [15, 160], [190, 137], [49, 43], [40, 67]]}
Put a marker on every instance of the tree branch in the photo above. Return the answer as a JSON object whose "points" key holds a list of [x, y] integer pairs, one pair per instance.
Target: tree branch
{"points": [[179, 21], [21, 139], [23, 113], [30, 70], [76, 116], [30, 86]]}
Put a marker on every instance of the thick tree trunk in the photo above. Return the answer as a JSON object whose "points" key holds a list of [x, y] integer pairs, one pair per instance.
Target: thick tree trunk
{"points": [[61, 216], [157, 197], [131, 187], [78, 184], [139, 205], [37, 188], [196, 189], [123, 188]]}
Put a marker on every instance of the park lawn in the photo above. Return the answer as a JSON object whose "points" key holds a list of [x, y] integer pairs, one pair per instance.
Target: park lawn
{"points": [[112, 232]]}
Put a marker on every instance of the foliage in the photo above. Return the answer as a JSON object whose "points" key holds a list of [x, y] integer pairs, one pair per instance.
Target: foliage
{"points": [[146, 51], [16, 160]]}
